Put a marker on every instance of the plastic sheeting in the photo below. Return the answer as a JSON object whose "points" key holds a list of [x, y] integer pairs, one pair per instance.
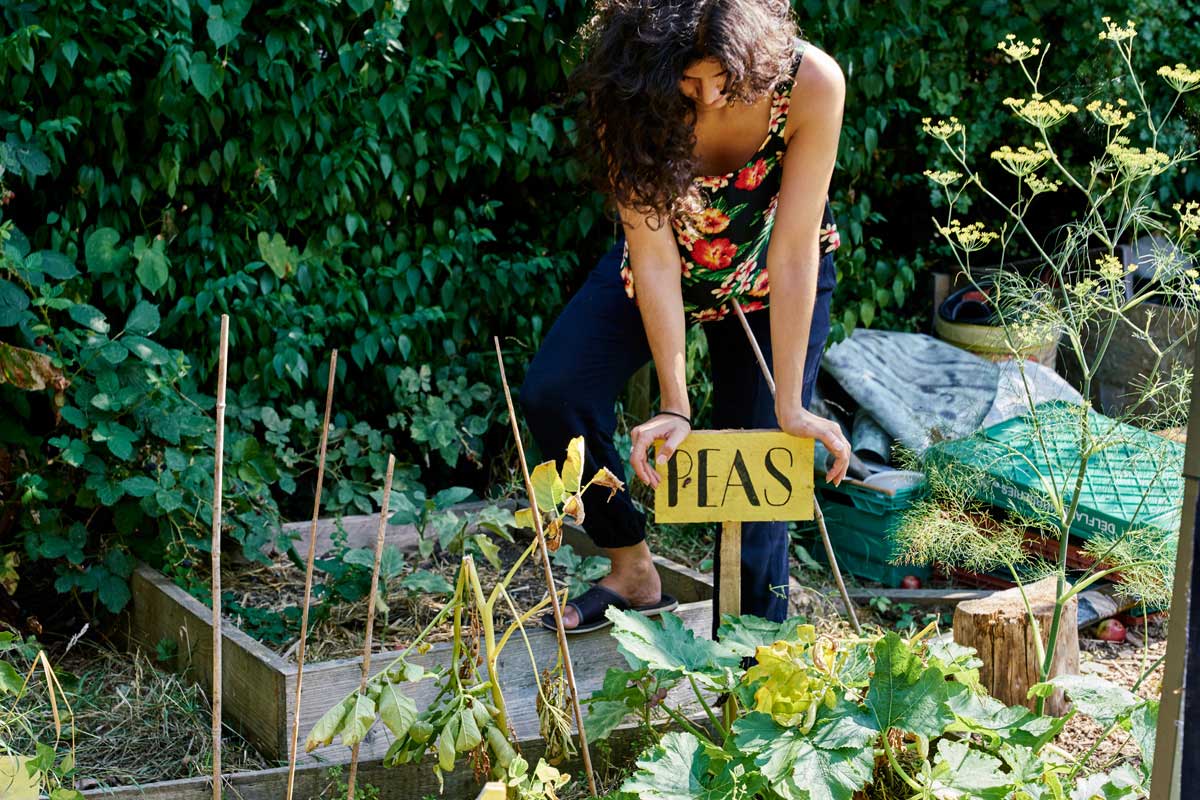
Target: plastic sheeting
{"points": [[1013, 390], [921, 390]]}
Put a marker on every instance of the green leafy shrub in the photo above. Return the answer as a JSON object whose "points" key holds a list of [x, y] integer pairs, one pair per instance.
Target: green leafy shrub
{"points": [[109, 445], [384, 178]]}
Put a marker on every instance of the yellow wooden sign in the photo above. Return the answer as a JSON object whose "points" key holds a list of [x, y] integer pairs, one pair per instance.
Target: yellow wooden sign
{"points": [[736, 476]]}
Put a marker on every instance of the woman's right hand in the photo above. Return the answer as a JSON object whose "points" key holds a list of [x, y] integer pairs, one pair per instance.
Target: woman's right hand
{"points": [[802, 422], [669, 427]]}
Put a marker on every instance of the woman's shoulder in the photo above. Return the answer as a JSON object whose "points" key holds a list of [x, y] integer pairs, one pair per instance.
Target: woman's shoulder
{"points": [[818, 86]]}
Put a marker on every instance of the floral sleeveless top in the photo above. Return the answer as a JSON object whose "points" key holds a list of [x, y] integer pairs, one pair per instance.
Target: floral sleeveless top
{"points": [[722, 249]]}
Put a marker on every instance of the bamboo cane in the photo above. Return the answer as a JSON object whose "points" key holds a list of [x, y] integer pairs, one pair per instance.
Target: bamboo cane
{"points": [[218, 480], [554, 604], [366, 659], [308, 573], [820, 518]]}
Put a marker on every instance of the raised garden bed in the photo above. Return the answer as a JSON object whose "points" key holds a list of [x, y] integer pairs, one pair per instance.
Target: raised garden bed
{"points": [[314, 781], [259, 684]]}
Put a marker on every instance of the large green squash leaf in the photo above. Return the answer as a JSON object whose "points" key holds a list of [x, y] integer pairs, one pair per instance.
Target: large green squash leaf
{"points": [[968, 773], [1101, 700], [745, 634], [904, 693], [678, 769], [670, 647], [988, 717], [801, 767]]}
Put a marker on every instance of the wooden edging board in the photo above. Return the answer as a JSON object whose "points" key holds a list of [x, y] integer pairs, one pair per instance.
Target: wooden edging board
{"points": [[259, 686], [407, 781]]}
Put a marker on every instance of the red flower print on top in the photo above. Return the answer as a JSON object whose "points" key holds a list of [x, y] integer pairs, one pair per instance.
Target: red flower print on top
{"points": [[750, 177], [712, 220], [760, 287], [627, 280], [779, 114], [710, 314], [717, 254], [830, 238], [712, 181], [753, 305]]}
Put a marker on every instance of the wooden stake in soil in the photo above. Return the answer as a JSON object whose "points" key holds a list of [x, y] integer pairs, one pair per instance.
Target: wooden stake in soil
{"points": [[218, 480], [366, 658], [308, 573], [554, 604], [820, 518]]}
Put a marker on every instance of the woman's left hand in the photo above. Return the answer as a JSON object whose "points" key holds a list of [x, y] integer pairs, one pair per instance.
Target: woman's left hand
{"points": [[802, 422]]}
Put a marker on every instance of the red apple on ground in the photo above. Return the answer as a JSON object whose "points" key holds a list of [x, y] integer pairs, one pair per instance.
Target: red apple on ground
{"points": [[910, 582], [1111, 631]]}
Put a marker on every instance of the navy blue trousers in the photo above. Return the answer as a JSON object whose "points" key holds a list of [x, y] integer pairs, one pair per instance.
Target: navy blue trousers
{"points": [[592, 350]]}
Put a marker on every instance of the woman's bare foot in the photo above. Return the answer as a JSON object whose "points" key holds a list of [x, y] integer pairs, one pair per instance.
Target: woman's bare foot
{"points": [[633, 576]]}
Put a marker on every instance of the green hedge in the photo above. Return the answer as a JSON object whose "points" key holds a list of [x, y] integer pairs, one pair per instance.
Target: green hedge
{"points": [[393, 180]]}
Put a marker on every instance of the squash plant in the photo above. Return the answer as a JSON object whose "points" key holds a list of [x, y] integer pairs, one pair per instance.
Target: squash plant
{"points": [[469, 717], [824, 718]]}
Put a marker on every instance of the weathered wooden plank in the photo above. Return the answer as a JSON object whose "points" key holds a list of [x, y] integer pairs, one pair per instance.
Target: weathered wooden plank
{"points": [[407, 782], [592, 654], [919, 597], [253, 679]]}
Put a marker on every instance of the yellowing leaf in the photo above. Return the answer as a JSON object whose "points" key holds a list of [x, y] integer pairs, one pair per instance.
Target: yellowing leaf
{"points": [[574, 508], [8, 572], [553, 534], [605, 477], [547, 486], [327, 726], [524, 518], [572, 471], [359, 718]]}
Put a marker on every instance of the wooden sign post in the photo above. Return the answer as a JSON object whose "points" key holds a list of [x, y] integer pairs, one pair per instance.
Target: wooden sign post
{"points": [[731, 477]]}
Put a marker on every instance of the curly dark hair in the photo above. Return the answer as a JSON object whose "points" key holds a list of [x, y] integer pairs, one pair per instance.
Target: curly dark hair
{"points": [[636, 128]]}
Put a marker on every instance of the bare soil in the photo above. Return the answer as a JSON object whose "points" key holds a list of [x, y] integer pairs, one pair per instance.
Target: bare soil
{"points": [[338, 629]]}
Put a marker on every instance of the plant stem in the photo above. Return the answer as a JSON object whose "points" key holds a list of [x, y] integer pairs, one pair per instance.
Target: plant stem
{"points": [[896, 767], [512, 571], [489, 641], [712, 717], [521, 620], [682, 722]]}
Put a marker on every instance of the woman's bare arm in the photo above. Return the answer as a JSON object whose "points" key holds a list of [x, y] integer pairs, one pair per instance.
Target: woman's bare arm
{"points": [[793, 255], [654, 259]]}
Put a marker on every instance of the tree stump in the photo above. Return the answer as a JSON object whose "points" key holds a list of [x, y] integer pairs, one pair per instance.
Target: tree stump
{"points": [[998, 627]]}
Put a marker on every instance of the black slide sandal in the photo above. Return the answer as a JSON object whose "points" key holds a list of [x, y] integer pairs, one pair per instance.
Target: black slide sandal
{"points": [[592, 604]]}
